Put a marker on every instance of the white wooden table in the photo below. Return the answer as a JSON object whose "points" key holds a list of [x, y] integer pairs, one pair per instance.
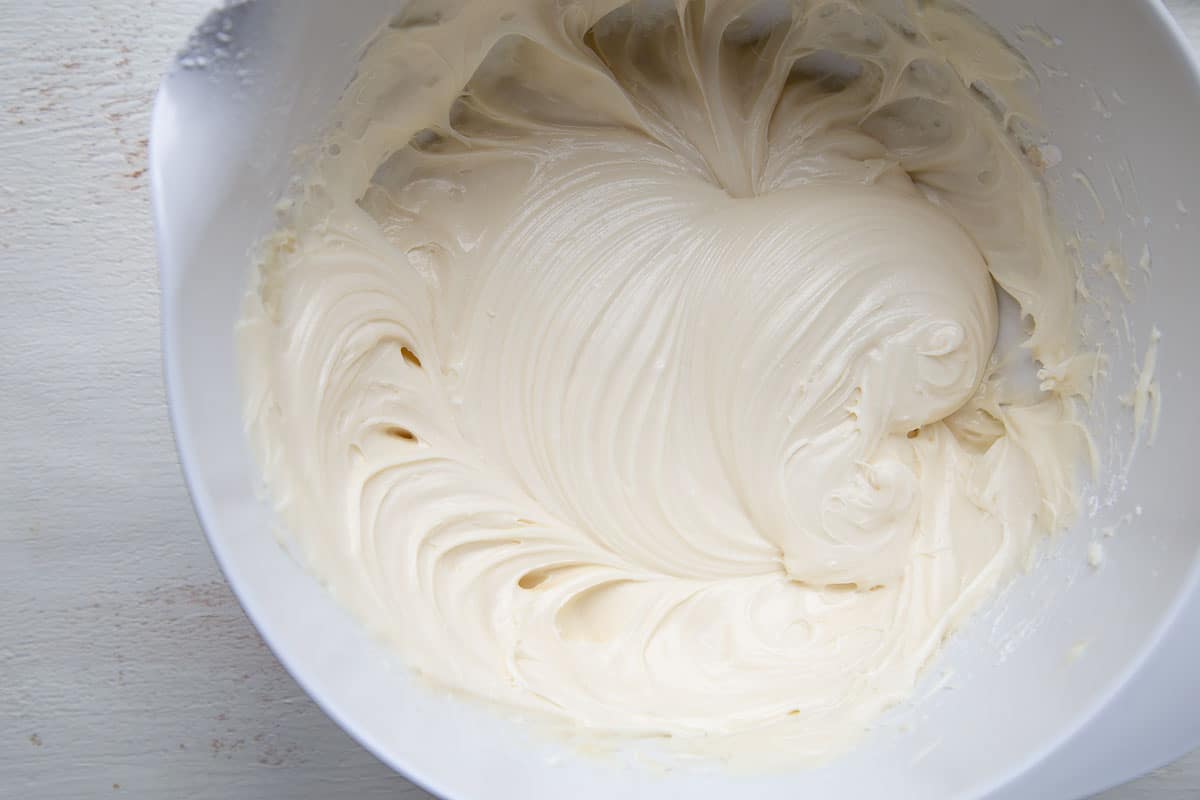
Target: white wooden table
{"points": [[126, 666]]}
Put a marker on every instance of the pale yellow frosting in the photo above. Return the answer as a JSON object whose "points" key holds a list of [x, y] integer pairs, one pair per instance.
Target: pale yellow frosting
{"points": [[647, 384]]}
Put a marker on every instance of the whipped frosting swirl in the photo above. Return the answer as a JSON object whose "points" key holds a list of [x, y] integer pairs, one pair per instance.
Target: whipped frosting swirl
{"points": [[634, 365]]}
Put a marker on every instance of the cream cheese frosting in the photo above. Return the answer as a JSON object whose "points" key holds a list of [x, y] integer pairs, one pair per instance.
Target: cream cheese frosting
{"points": [[634, 367]]}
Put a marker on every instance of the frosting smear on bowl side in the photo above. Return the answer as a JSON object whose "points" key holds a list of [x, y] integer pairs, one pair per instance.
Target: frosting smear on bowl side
{"points": [[635, 366]]}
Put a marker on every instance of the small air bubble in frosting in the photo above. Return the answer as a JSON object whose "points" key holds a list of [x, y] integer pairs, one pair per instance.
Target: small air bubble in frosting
{"points": [[410, 357], [398, 432]]}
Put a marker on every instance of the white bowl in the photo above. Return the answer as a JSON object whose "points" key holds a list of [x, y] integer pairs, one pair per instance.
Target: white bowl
{"points": [[1076, 679]]}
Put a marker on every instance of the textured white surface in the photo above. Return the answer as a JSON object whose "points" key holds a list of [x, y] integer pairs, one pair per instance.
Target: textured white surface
{"points": [[126, 666]]}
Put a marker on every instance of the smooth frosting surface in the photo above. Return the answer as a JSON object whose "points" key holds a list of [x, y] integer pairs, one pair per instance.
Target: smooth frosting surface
{"points": [[635, 366]]}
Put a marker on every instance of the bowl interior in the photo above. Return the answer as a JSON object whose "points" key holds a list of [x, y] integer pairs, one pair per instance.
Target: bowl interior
{"points": [[1121, 102]]}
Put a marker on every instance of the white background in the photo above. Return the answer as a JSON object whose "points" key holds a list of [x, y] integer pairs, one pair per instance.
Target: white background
{"points": [[126, 666]]}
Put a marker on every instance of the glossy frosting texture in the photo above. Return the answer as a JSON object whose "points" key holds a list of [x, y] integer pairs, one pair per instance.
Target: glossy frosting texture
{"points": [[635, 365]]}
